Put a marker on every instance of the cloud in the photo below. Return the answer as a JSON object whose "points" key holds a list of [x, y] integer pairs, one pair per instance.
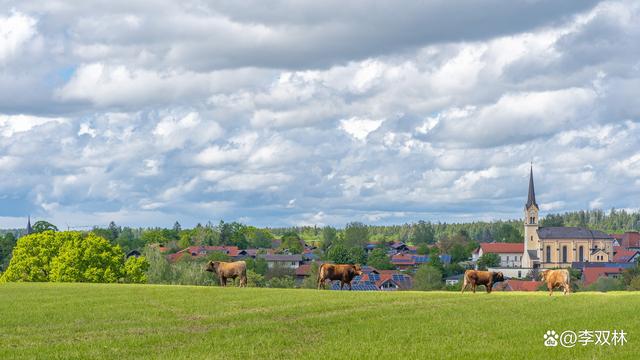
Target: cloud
{"points": [[298, 113]]}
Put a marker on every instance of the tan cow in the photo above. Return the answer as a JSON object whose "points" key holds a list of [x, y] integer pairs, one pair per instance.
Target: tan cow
{"points": [[477, 277], [557, 278], [345, 273], [229, 270]]}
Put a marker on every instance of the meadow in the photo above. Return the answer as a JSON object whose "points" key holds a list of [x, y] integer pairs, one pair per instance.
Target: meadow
{"points": [[47, 320]]}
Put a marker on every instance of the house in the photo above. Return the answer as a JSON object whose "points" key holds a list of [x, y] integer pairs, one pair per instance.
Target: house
{"points": [[203, 251], [623, 255], [246, 253], [518, 285], [279, 260], [453, 279], [404, 261], [399, 246], [630, 240], [510, 253], [592, 274], [378, 280]]}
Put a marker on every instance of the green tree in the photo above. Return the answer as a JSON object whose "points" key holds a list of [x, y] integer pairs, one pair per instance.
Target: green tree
{"points": [[42, 226], [423, 249], [488, 260], [329, 235], [258, 238], [427, 278], [423, 233], [339, 254], [135, 270], [357, 256], [311, 281], [356, 234], [87, 258], [282, 282], [292, 242], [434, 259], [507, 233], [459, 253], [159, 270], [261, 266], [32, 256], [378, 259], [7, 243]]}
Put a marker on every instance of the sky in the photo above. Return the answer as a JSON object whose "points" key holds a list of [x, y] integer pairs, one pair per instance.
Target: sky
{"points": [[315, 113]]}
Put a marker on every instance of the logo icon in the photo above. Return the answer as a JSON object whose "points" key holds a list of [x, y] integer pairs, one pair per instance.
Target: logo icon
{"points": [[551, 338]]}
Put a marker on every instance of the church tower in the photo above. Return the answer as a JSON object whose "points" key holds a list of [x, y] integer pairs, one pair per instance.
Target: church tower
{"points": [[531, 223], [29, 229]]}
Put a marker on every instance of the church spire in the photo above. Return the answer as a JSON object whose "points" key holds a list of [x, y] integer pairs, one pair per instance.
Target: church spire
{"points": [[29, 229], [531, 200]]}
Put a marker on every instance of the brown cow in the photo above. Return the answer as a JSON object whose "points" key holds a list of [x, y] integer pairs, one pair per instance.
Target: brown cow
{"points": [[345, 273], [226, 270], [477, 277], [556, 278]]}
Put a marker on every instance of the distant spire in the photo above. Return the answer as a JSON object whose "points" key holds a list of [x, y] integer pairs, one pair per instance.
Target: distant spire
{"points": [[29, 229], [531, 200]]}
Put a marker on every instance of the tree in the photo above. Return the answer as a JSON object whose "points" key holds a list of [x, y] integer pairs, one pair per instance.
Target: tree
{"points": [[7, 243], [329, 235], [488, 260], [135, 270], [423, 249], [282, 282], [427, 278], [42, 226], [378, 259], [434, 259], [292, 242], [459, 253], [159, 271], [113, 233], [423, 233], [254, 279], [357, 256], [507, 233], [65, 256], [311, 281], [339, 254], [356, 234], [258, 238], [87, 258]]}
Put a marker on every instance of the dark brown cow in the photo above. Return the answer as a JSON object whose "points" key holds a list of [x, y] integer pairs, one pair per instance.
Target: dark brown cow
{"points": [[477, 277], [343, 272], [557, 278], [226, 270]]}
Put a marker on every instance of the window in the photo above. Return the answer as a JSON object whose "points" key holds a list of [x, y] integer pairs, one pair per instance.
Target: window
{"points": [[519, 273], [531, 237], [581, 253], [564, 254], [548, 255]]}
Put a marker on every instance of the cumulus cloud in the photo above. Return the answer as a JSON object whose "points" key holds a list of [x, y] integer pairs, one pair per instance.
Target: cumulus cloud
{"points": [[299, 113]]}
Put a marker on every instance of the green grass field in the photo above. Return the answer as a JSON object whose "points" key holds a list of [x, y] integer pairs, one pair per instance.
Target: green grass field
{"points": [[146, 321]]}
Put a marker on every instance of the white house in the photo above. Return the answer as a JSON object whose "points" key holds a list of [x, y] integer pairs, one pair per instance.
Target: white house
{"points": [[510, 253]]}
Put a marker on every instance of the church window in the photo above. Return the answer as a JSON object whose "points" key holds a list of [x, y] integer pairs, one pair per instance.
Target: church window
{"points": [[581, 253], [564, 254], [548, 255]]}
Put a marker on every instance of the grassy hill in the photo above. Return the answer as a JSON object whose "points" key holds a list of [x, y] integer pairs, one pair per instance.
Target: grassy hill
{"points": [[146, 321]]}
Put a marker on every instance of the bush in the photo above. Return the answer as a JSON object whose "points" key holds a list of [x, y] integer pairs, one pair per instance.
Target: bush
{"points": [[605, 284], [282, 282], [255, 280], [427, 278], [135, 270]]}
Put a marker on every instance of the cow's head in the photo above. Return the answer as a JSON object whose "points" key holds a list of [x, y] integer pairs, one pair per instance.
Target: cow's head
{"points": [[497, 277], [357, 269], [212, 266]]}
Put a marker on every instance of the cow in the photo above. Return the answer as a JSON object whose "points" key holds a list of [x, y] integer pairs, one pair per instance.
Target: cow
{"points": [[556, 278], [477, 277], [226, 270], [345, 273]]}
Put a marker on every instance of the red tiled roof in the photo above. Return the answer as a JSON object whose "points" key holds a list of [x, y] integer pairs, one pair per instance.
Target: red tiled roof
{"points": [[591, 274], [523, 285], [630, 239], [403, 259], [303, 270], [502, 248], [617, 236], [623, 255]]}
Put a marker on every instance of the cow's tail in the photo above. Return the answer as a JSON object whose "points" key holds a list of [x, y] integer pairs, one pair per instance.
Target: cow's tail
{"points": [[464, 281]]}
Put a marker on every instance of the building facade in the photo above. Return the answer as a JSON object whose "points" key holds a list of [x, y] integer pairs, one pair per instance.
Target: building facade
{"points": [[550, 247]]}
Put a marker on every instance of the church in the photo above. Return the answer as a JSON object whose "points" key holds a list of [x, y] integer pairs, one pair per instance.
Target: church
{"points": [[553, 247]]}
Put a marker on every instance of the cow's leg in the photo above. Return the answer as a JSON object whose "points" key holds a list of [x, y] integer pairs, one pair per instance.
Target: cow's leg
{"points": [[341, 284], [567, 288], [473, 286], [243, 281], [489, 286], [350, 286], [550, 290], [464, 285], [223, 281]]}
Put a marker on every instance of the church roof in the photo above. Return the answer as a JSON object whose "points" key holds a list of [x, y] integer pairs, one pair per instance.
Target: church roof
{"points": [[531, 199], [571, 233], [533, 255]]}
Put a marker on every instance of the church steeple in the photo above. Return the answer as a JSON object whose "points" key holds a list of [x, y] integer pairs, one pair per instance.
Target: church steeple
{"points": [[29, 229], [531, 200]]}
